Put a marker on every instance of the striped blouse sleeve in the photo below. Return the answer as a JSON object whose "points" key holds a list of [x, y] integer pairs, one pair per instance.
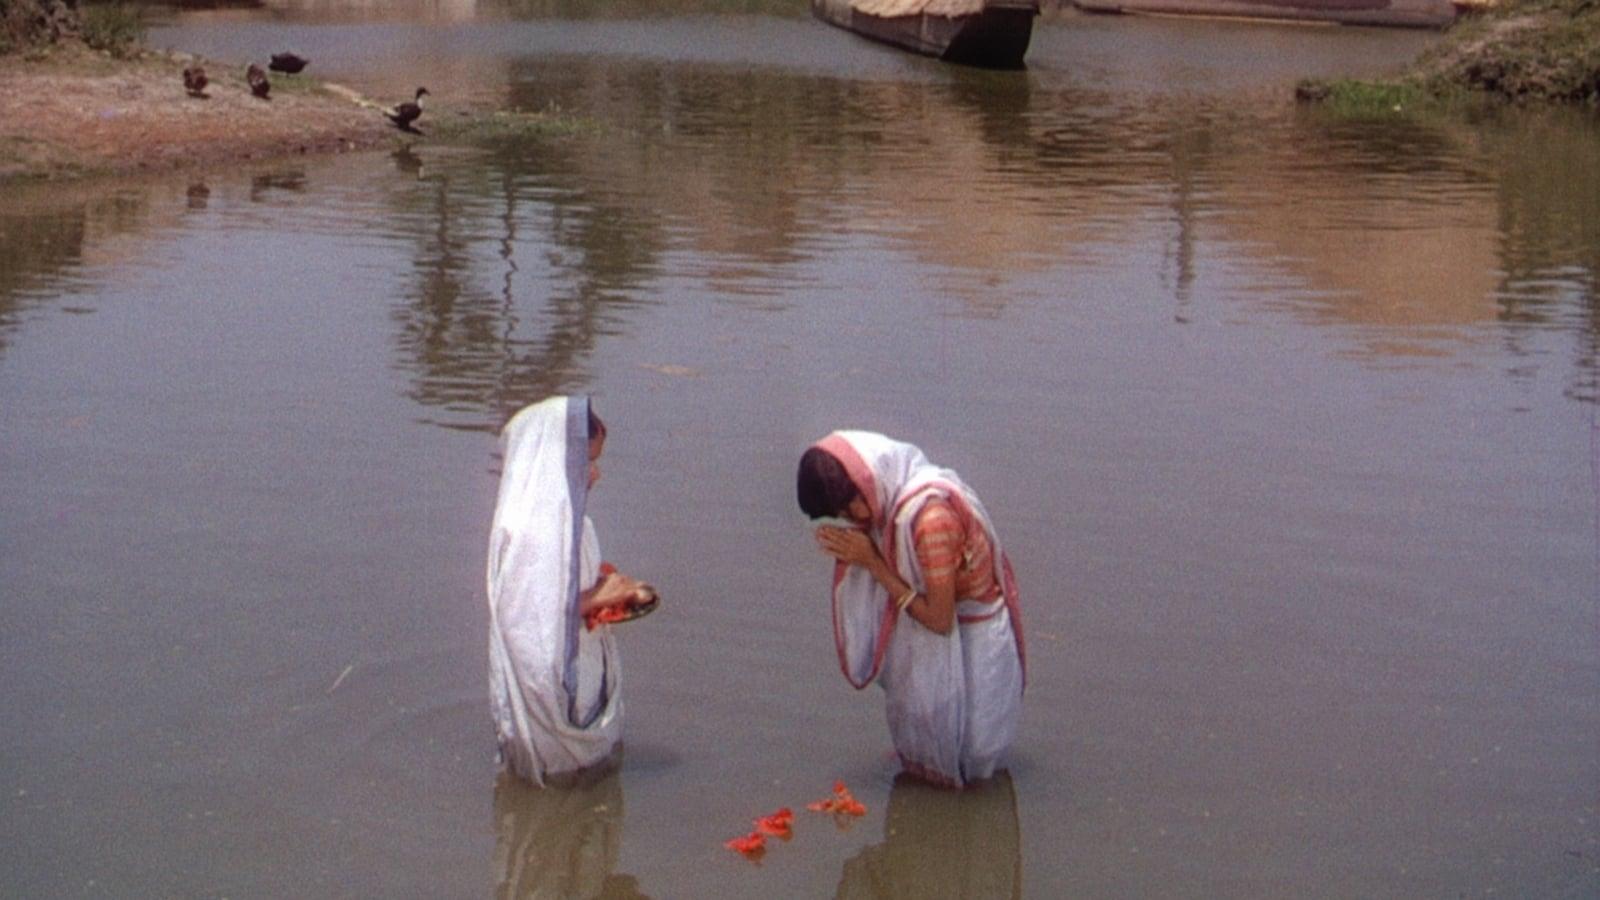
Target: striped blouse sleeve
{"points": [[939, 539]]}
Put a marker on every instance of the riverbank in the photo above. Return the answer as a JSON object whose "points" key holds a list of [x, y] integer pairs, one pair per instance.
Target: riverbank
{"points": [[1521, 51], [67, 111]]}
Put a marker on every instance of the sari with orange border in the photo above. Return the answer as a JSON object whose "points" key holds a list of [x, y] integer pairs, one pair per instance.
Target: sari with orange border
{"points": [[952, 701]]}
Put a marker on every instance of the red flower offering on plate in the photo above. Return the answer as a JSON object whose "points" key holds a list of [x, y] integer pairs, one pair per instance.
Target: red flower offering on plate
{"points": [[607, 615]]}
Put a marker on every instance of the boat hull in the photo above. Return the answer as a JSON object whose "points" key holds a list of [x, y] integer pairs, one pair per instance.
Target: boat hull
{"points": [[996, 38]]}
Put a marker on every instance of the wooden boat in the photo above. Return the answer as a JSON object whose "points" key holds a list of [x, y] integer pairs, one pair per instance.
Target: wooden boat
{"points": [[995, 36]]}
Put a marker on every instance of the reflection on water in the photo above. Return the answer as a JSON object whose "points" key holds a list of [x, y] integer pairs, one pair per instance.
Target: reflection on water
{"points": [[291, 180], [985, 185], [49, 236], [942, 843], [522, 256], [511, 282], [1548, 220], [560, 841], [34, 247], [406, 160], [198, 195]]}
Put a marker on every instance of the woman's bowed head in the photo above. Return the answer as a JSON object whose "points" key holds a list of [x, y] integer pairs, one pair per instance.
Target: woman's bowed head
{"points": [[827, 491]]}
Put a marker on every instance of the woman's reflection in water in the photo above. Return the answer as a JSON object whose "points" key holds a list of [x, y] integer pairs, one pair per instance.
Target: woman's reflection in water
{"points": [[942, 843], [561, 840]]}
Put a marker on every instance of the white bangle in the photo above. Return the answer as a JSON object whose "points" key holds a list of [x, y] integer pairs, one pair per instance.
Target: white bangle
{"points": [[905, 599]]}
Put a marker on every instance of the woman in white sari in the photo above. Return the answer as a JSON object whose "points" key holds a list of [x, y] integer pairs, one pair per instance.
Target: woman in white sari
{"points": [[555, 678], [924, 601]]}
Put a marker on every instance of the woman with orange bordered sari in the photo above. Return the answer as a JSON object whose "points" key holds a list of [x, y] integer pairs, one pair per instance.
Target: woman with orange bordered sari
{"points": [[924, 601]]}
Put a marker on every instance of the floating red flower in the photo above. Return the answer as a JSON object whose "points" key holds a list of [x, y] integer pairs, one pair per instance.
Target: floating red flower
{"points": [[778, 824], [842, 802], [752, 844]]}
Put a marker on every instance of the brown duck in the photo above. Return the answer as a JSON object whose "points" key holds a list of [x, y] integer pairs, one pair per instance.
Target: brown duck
{"points": [[194, 81], [259, 85]]}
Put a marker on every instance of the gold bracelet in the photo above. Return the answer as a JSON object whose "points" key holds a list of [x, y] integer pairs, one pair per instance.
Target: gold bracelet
{"points": [[905, 599]]}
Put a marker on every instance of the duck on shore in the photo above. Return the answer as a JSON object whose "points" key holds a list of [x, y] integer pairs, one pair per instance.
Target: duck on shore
{"points": [[288, 63], [194, 81], [406, 113], [259, 85]]}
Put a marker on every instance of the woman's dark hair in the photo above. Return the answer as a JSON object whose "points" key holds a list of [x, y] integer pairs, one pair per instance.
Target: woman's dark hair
{"points": [[597, 428], [823, 486]]}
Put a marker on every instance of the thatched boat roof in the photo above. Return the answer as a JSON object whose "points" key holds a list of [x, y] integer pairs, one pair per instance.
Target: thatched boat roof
{"points": [[890, 9]]}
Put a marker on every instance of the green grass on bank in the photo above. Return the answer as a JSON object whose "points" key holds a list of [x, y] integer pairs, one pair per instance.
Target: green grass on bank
{"points": [[1354, 99]]}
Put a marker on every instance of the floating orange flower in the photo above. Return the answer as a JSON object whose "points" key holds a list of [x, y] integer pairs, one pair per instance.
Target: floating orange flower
{"points": [[777, 824], [842, 802], [752, 844]]}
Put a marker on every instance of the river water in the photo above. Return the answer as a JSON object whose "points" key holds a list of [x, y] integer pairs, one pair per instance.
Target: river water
{"points": [[1288, 424]]}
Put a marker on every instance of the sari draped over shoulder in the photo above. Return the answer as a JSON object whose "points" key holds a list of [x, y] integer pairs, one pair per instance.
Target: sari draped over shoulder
{"points": [[554, 686], [953, 700]]}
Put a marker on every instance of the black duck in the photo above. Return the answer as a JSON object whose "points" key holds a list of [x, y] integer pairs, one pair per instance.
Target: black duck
{"points": [[288, 63], [406, 113]]}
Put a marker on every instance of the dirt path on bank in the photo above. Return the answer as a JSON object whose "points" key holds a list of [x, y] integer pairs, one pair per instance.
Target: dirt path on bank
{"points": [[73, 112]]}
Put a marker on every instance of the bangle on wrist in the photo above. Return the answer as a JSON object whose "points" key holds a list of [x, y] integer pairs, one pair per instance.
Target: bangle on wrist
{"points": [[905, 599]]}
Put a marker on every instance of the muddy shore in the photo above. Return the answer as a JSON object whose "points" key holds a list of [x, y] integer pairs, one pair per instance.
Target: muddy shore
{"points": [[67, 111]]}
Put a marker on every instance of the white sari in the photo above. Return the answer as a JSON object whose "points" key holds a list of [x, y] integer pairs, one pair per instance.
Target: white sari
{"points": [[554, 686], [952, 700]]}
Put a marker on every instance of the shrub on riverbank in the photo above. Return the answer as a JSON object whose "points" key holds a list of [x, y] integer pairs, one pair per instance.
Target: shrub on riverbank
{"points": [[115, 28], [1521, 50], [29, 23], [1530, 49]]}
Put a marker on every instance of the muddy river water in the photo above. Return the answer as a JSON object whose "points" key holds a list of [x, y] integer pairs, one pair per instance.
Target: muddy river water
{"points": [[1289, 424]]}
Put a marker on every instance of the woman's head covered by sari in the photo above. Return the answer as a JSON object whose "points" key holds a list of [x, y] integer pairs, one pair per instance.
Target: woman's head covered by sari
{"points": [[848, 464], [822, 485]]}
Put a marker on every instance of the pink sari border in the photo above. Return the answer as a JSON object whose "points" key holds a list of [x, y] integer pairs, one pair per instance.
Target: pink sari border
{"points": [[861, 475]]}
